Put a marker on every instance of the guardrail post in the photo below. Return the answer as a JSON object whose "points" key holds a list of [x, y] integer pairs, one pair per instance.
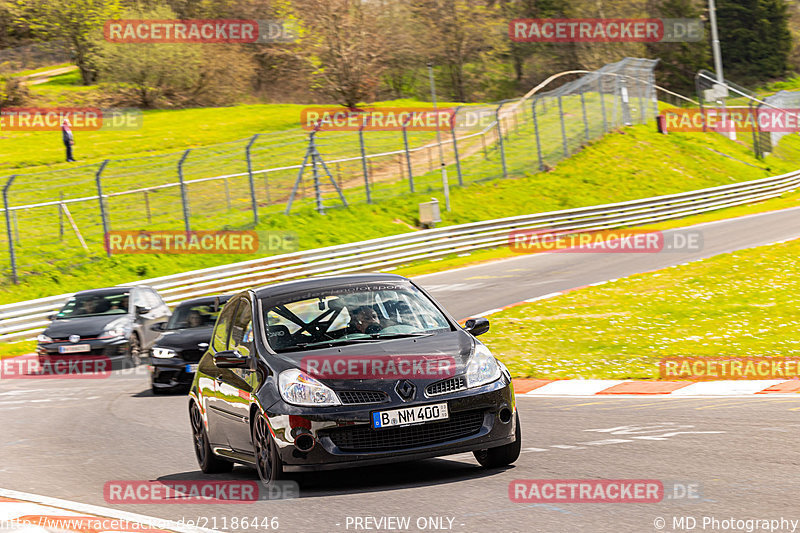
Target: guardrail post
{"points": [[500, 139], [601, 92], [364, 158], [455, 145], [103, 216], [536, 132], [408, 155], [184, 193], [585, 120], [253, 201], [563, 127], [11, 253]]}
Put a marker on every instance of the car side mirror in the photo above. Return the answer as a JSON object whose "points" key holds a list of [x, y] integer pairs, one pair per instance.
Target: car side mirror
{"points": [[159, 326], [477, 326], [140, 310], [230, 359], [51, 316]]}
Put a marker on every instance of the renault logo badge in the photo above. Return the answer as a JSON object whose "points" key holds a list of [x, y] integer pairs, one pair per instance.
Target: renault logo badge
{"points": [[405, 389]]}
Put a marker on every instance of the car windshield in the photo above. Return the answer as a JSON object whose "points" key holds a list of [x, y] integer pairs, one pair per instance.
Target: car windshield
{"points": [[350, 315], [93, 304], [193, 316]]}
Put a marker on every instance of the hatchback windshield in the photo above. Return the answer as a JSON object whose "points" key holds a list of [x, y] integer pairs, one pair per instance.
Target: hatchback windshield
{"points": [[93, 304], [193, 316], [350, 315]]}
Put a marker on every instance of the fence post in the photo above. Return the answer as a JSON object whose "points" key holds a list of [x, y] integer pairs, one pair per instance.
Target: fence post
{"points": [[103, 216], [315, 174], [364, 158], [563, 127], [585, 121], [602, 94], [61, 216], [408, 155], [624, 102], [536, 132], [642, 110], [8, 230], [184, 194], [500, 139], [756, 146], [455, 145], [250, 177]]}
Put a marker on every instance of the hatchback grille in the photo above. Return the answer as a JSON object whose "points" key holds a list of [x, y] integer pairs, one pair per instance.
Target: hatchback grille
{"points": [[366, 439], [362, 396], [192, 356], [446, 386]]}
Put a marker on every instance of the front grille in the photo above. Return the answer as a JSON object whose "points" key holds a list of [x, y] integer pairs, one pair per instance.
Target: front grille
{"points": [[446, 386], [192, 356], [366, 439], [362, 396]]}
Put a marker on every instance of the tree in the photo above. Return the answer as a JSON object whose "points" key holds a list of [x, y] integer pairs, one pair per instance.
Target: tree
{"points": [[342, 46], [679, 62], [755, 39], [458, 32], [74, 21]]}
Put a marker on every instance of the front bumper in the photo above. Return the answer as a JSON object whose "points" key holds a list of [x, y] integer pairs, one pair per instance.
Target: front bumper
{"points": [[345, 438], [171, 373], [114, 349]]}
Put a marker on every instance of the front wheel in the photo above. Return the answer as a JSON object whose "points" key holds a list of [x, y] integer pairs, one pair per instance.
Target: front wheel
{"points": [[209, 463], [501, 455], [268, 462], [134, 350]]}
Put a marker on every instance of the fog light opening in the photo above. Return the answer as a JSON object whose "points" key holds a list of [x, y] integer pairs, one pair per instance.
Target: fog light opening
{"points": [[305, 442], [505, 415]]}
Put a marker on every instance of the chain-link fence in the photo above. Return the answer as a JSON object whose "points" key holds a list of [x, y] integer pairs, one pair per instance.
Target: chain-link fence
{"points": [[60, 218]]}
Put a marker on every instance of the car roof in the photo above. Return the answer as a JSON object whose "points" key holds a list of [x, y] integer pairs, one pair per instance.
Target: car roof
{"points": [[203, 300], [108, 290], [324, 282]]}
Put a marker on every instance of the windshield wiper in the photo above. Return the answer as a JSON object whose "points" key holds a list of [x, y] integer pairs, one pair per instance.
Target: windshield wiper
{"points": [[379, 336]]}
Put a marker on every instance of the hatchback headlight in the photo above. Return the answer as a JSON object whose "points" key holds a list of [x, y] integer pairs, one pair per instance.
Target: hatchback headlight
{"points": [[113, 329], [164, 353], [44, 339], [299, 388], [482, 367]]}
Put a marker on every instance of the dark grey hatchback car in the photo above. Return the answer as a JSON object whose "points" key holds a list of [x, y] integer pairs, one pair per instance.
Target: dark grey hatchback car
{"points": [[347, 371]]}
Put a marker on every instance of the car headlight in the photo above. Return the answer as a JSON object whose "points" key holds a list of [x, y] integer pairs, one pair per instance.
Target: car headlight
{"points": [[299, 388], [482, 367], [44, 339], [164, 353], [113, 329]]}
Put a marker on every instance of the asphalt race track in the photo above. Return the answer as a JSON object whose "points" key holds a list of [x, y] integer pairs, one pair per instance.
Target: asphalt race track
{"points": [[721, 458]]}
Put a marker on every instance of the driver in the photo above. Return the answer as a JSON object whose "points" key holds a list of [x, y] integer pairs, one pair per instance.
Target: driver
{"points": [[365, 320], [195, 319]]}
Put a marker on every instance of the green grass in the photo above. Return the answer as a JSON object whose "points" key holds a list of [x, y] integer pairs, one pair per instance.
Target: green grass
{"points": [[742, 304], [632, 163], [13, 349]]}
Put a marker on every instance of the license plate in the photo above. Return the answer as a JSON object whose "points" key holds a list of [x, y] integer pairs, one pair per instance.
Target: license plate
{"points": [[191, 368], [74, 348], [409, 415]]}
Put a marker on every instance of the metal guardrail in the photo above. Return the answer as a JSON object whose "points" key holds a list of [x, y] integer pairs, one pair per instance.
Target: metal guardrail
{"points": [[23, 320]]}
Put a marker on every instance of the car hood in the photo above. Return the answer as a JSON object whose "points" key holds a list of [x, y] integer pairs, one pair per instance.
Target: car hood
{"points": [[89, 326], [183, 339], [454, 348]]}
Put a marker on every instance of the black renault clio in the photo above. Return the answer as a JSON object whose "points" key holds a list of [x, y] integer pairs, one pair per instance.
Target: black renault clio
{"points": [[347, 371]]}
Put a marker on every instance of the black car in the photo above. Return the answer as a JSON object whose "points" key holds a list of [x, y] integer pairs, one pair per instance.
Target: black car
{"points": [[347, 371], [113, 322], [183, 340]]}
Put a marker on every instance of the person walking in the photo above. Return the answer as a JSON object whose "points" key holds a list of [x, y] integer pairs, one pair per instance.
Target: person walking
{"points": [[69, 140]]}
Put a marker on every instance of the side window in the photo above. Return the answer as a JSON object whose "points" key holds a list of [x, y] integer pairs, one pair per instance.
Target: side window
{"points": [[242, 330], [220, 337]]}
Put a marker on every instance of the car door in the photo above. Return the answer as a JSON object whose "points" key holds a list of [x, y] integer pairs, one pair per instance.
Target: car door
{"points": [[209, 375], [236, 384]]}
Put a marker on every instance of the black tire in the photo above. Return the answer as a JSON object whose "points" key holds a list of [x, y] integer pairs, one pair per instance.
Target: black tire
{"points": [[268, 463], [158, 391], [133, 351], [209, 463], [501, 455]]}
